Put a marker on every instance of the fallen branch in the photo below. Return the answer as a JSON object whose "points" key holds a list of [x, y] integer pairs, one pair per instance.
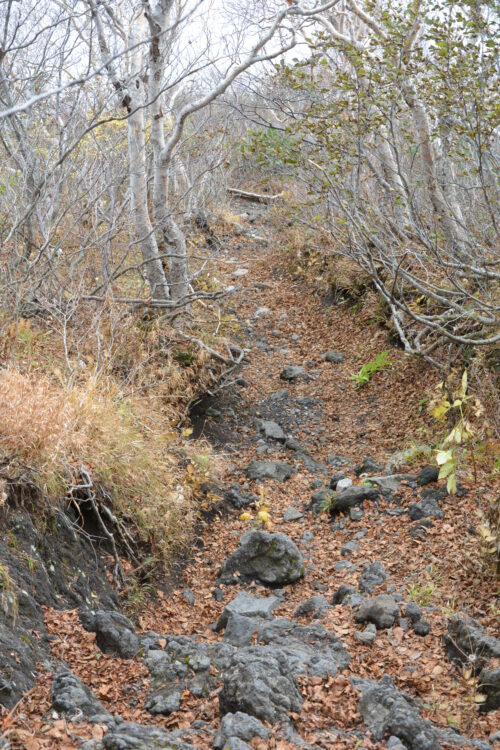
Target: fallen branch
{"points": [[255, 197]]}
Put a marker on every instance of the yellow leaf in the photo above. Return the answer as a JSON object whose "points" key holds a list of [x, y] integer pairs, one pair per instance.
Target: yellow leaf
{"points": [[480, 698], [441, 409], [187, 432], [263, 516], [245, 516]]}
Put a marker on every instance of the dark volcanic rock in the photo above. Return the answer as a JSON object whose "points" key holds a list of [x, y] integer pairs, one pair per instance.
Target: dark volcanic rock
{"points": [[72, 697], [382, 610], [272, 430], [273, 559], [259, 470], [258, 682], [48, 566], [183, 665], [240, 630], [19, 656], [336, 358], [421, 627], [239, 725], [115, 633], [413, 611], [427, 508], [427, 475], [367, 635], [321, 500], [369, 466], [310, 649], [489, 685], [343, 592], [352, 496], [372, 575], [239, 499], [292, 372], [316, 605], [139, 737], [247, 605], [386, 710], [466, 637]]}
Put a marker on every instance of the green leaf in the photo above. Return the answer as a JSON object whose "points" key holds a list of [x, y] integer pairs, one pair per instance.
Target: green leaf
{"points": [[446, 469], [451, 484]]}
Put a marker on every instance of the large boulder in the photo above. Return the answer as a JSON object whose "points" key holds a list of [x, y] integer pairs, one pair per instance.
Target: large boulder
{"points": [[381, 610], [272, 430], [241, 726], [182, 665], [310, 649], [259, 682], [260, 470], [72, 697], [139, 737], [427, 508], [115, 633], [372, 575], [273, 559], [246, 605], [465, 637], [386, 710], [352, 496], [389, 711]]}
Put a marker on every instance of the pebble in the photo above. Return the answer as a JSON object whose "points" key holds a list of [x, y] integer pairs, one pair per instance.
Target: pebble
{"points": [[356, 514], [239, 273], [292, 514], [343, 484]]}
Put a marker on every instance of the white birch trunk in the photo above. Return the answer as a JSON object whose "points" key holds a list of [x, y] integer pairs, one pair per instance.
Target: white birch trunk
{"points": [[171, 238], [143, 227]]}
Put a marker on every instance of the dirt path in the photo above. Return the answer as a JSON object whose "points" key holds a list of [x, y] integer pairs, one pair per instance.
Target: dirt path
{"points": [[330, 428]]}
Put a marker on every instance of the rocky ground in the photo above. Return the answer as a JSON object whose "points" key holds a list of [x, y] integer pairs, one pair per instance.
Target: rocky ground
{"points": [[359, 616]]}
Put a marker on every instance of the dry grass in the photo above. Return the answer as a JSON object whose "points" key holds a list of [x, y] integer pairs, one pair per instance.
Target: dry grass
{"points": [[126, 444]]}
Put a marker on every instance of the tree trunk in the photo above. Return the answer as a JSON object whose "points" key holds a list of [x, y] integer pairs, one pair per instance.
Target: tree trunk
{"points": [[143, 228], [171, 237], [442, 212]]}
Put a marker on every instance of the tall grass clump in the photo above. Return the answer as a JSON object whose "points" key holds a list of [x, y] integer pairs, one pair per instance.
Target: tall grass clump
{"points": [[127, 447]]}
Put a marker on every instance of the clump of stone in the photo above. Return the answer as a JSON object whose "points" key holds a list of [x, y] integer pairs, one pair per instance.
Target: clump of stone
{"points": [[114, 633], [272, 559]]}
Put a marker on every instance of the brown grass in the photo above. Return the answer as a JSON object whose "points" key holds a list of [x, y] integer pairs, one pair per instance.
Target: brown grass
{"points": [[127, 447]]}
